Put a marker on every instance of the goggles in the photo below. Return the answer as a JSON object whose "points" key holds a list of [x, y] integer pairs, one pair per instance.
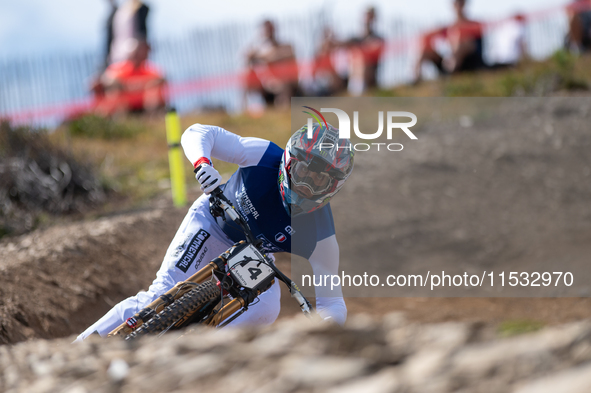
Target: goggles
{"points": [[317, 183]]}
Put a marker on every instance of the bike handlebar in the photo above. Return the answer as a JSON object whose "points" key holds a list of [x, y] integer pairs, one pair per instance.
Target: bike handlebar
{"points": [[220, 204]]}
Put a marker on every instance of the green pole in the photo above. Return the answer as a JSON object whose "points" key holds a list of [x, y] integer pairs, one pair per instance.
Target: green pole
{"points": [[175, 158]]}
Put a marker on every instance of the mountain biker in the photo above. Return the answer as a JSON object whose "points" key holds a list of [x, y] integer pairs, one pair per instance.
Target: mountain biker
{"points": [[284, 196]]}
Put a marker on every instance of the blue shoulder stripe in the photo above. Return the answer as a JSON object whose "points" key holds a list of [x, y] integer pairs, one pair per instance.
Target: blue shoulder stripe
{"points": [[272, 156]]}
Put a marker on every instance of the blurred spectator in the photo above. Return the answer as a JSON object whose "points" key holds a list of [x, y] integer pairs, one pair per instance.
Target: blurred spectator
{"points": [[272, 69], [464, 37], [507, 46], [109, 33], [327, 80], [429, 53], [578, 38], [133, 85], [129, 22], [365, 53]]}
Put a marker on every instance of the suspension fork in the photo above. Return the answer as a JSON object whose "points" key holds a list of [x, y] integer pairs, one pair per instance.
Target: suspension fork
{"points": [[180, 288]]}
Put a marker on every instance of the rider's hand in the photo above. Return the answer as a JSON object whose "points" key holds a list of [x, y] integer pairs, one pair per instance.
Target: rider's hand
{"points": [[208, 177]]}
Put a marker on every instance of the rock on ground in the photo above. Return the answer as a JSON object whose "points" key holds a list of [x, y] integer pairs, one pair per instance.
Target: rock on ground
{"points": [[296, 355]]}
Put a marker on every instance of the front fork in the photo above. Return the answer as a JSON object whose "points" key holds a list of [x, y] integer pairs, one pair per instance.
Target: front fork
{"points": [[217, 265], [164, 300]]}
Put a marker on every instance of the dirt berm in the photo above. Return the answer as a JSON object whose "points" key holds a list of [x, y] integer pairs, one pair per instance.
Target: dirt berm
{"points": [[55, 282]]}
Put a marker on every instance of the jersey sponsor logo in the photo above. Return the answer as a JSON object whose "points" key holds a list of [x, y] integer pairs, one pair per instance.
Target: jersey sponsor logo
{"points": [[267, 245], [182, 245], [200, 259], [245, 204], [290, 231], [280, 237], [192, 250]]}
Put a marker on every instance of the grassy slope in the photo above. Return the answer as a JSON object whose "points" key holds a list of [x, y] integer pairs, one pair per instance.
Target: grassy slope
{"points": [[136, 165], [562, 72]]}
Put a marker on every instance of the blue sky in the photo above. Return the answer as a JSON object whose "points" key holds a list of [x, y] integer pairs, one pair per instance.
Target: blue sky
{"points": [[40, 26]]}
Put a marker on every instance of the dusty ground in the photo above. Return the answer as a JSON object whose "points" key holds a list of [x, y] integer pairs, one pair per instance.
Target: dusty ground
{"points": [[527, 205], [387, 354]]}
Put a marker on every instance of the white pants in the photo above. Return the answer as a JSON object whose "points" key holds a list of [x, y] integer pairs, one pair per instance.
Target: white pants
{"points": [[198, 240]]}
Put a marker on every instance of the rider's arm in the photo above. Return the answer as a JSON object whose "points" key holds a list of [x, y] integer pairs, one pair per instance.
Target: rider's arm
{"points": [[201, 141], [325, 260]]}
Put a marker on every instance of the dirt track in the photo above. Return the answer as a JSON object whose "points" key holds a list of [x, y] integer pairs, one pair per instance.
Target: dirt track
{"points": [[529, 203]]}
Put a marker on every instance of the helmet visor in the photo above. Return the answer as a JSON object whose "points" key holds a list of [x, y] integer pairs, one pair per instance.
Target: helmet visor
{"points": [[308, 183]]}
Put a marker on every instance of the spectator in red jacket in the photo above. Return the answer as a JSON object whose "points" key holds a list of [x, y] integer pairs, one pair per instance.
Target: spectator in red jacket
{"points": [[133, 85], [464, 37]]}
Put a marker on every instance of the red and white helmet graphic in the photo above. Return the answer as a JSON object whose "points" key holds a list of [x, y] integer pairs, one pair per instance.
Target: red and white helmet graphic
{"points": [[314, 169]]}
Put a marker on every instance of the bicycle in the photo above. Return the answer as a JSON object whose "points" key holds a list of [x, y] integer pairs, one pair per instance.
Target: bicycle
{"points": [[219, 292]]}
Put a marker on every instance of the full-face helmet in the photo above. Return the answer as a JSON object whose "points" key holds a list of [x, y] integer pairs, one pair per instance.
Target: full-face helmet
{"points": [[313, 169]]}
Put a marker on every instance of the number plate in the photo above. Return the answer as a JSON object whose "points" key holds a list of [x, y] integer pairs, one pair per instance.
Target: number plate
{"points": [[248, 270]]}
